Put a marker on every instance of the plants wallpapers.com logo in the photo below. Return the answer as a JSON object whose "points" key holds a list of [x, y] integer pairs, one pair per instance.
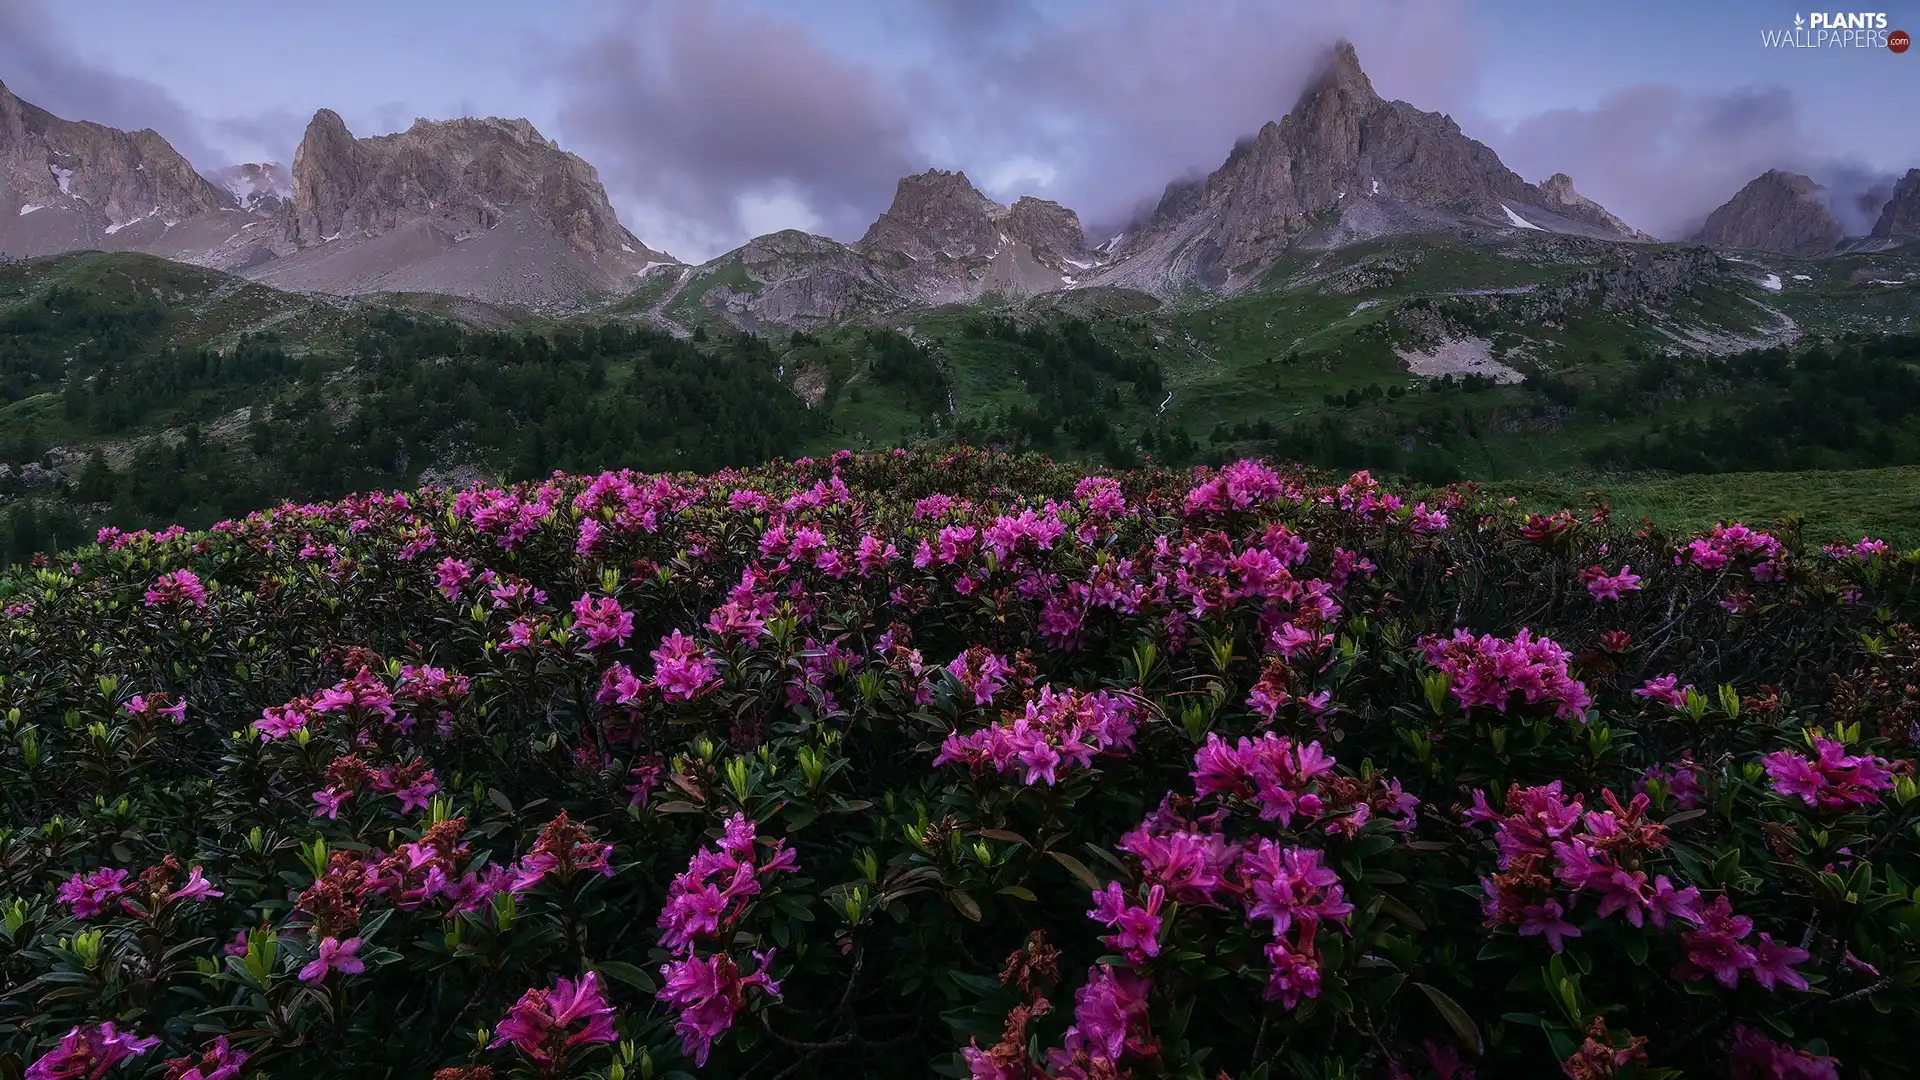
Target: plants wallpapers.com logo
{"points": [[1838, 29]]}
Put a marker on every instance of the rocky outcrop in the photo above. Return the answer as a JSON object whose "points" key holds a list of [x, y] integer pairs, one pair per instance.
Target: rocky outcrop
{"points": [[1901, 216], [413, 212], [465, 176], [1556, 193], [263, 187], [1780, 212], [486, 209], [1344, 164], [793, 279], [71, 185], [941, 241]]}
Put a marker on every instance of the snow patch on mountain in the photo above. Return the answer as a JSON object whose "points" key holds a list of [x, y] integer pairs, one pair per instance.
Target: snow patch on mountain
{"points": [[1518, 221]]}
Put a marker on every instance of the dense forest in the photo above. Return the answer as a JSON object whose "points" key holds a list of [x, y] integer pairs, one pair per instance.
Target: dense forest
{"points": [[395, 395], [1842, 405], [404, 394]]}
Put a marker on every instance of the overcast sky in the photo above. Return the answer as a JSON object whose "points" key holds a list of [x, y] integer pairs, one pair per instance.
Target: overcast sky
{"points": [[713, 120]]}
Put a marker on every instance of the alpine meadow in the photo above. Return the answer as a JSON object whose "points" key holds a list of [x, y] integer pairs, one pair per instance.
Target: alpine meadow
{"points": [[1341, 612]]}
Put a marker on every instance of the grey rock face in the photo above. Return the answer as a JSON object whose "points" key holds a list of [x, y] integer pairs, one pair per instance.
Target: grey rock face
{"points": [[488, 209], [70, 185], [1777, 211], [941, 241], [1344, 164], [262, 187], [406, 212], [1901, 216]]}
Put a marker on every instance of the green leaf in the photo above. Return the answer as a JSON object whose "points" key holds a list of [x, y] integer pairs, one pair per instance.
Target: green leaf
{"points": [[631, 974], [965, 904], [1456, 1017], [499, 799], [1393, 906], [1077, 868], [677, 806], [1019, 892], [979, 984]]}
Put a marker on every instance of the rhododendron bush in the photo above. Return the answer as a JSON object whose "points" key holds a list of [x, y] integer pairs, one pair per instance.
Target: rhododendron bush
{"points": [[968, 765]]}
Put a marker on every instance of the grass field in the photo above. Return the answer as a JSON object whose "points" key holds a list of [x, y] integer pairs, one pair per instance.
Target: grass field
{"points": [[1829, 504]]}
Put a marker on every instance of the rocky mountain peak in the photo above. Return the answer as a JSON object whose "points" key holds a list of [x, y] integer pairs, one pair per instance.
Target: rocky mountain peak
{"points": [[1901, 215], [936, 213], [1047, 227], [262, 187], [68, 184], [463, 176], [1340, 89], [1557, 193], [1776, 211], [1343, 164]]}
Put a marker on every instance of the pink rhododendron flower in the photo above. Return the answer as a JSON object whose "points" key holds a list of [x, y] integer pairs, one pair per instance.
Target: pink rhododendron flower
{"points": [[90, 893], [542, 1023], [982, 672], [219, 1061], [450, 576], [334, 955], [1058, 729], [709, 991], [707, 899], [1138, 936], [682, 670], [1603, 586], [1753, 1056], [1665, 689], [602, 620], [88, 1052], [1487, 671], [178, 589], [1831, 779]]}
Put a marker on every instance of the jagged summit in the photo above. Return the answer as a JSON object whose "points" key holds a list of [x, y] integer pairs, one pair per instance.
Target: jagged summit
{"points": [[415, 211], [1776, 211], [1343, 164], [263, 187], [940, 241], [1901, 216], [69, 185]]}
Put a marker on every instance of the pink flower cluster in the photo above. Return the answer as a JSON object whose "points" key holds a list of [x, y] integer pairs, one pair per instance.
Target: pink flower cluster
{"points": [[88, 1052], [1666, 690], [1604, 586], [682, 670], [1831, 779], [1057, 729], [1285, 886], [1683, 783], [982, 672], [1587, 852], [88, 894], [1487, 671], [541, 1024], [602, 620], [333, 955], [219, 1061], [1753, 1056], [1282, 778], [704, 904], [1866, 549], [148, 704], [1239, 486], [1724, 544], [181, 588], [1109, 1025], [1717, 947], [363, 697]]}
